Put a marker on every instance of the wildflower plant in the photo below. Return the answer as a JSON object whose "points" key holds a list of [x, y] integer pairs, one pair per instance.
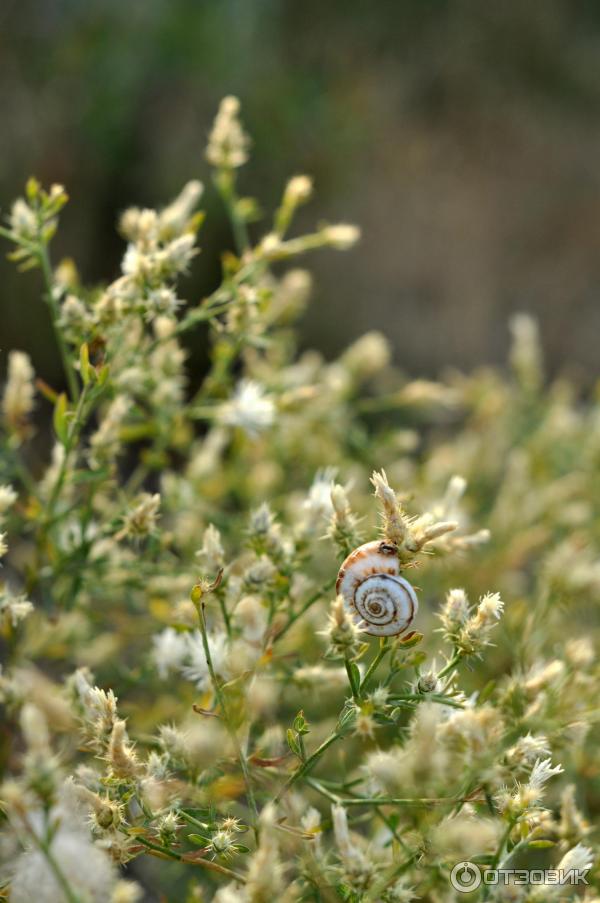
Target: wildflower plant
{"points": [[180, 681]]}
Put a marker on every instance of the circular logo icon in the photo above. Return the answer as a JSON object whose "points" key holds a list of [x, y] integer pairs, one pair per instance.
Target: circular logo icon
{"points": [[465, 877]]}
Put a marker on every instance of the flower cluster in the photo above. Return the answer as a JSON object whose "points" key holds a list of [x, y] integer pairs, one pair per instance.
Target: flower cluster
{"points": [[189, 710]]}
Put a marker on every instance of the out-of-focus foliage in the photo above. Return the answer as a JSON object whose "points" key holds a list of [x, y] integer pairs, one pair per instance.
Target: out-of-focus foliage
{"points": [[463, 136], [182, 694]]}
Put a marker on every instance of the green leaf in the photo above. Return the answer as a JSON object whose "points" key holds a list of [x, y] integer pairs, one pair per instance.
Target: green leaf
{"points": [[418, 658], [103, 375], [292, 742], [301, 724], [347, 719], [199, 839], [61, 426], [486, 692], [541, 844], [84, 364], [32, 188], [355, 678], [411, 639]]}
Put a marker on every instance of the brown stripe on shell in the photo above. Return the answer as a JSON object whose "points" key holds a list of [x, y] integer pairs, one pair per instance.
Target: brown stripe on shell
{"points": [[383, 548]]}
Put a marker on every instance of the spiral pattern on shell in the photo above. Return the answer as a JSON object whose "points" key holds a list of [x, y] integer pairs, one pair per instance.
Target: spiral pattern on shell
{"points": [[381, 601]]}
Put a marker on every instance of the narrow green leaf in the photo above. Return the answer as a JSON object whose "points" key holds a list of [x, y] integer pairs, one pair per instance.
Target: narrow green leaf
{"points": [[61, 426], [292, 742], [84, 364], [199, 839]]}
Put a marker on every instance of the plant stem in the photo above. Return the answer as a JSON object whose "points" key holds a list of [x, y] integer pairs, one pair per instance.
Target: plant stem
{"points": [[46, 268], [498, 854], [223, 706], [308, 604], [397, 801], [204, 863], [68, 891], [383, 650], [429, 697], [450, 666], [44, 847], [379, 800], [225, 182], [353, 686], [76, 425], [306, 766]]}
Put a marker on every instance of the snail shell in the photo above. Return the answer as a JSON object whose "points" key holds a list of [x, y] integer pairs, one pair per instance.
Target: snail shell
{"points": [[379, 599]]}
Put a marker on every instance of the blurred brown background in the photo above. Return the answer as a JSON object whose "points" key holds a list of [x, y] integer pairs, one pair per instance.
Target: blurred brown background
{"points": [[463, 136]]}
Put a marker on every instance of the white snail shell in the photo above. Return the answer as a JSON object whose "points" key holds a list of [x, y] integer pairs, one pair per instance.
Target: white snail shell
{"points": [[379, 599]]}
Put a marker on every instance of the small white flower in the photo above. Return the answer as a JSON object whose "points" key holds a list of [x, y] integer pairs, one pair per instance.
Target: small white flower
{"points": [[176, 216], [530, 794], [23, 221], [251, 617], [249, 408], [212, 551], [490, 608], [18, 399], [179, 252], [88, 869], [580, 859], [341, 236], [169, 651], [319, 502], [228, 143], [340, 829], [196, 669], [298, 190], [542, 771], [8, 497], [141, 520], [127, 892], [475, 634], [528, 749], [14, 608], [455, 612], [401, 892], [133, 262]]}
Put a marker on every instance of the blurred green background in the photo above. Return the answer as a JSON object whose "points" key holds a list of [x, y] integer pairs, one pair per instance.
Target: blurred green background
{"points": [[462, 136]]}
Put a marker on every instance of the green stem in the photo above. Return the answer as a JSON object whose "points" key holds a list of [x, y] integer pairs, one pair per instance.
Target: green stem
{"points": [[353, 685], [224, 613], [379, 800], [225, 182], [324, 791], [44, 847], [191, 820], [498, 854], [422, 697], [383, 650], [20, 470], [223, 706], [46, 268], [450, 666], [68, 891], [306, 766], [73, 434], [204, 863], [308, 604], [397, 801]]}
